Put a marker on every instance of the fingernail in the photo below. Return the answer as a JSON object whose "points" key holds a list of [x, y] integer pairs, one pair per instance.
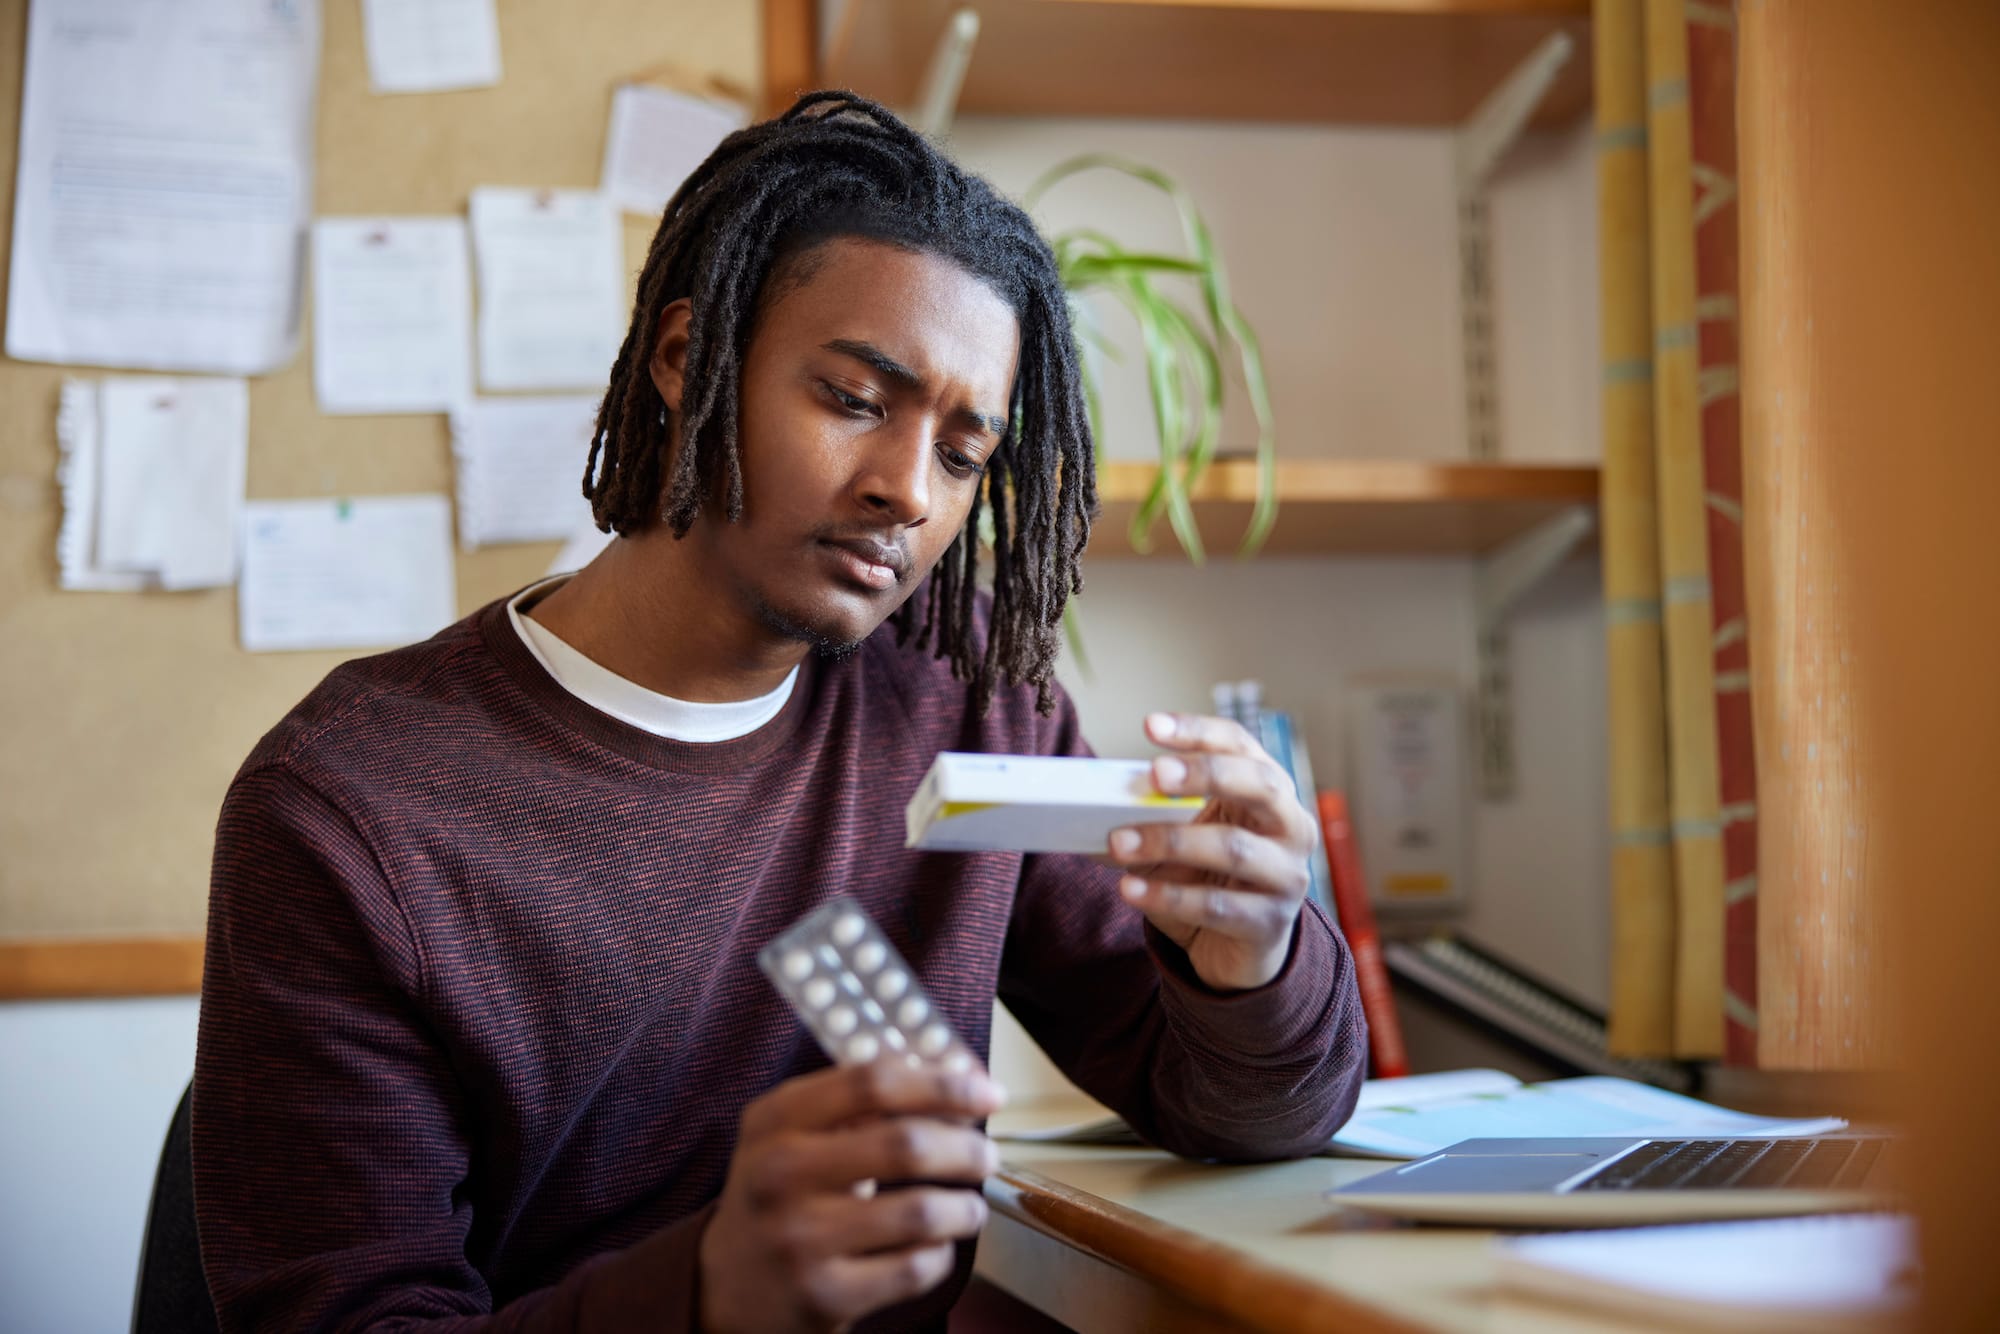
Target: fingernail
{"points": [[1132, 887], [1169, 772], [999, 1091], [1124, 842], [992, 1157], [1160, 724]]}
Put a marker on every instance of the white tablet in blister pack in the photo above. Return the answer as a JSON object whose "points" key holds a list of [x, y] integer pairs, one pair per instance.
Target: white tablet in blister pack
{"points": [[855, 992]]}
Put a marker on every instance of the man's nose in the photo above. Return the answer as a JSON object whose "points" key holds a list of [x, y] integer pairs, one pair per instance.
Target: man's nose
{"points": [[894, 480]]}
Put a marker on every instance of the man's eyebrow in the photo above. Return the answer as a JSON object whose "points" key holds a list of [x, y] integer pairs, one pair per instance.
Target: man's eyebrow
{"points": [[870, 355]]}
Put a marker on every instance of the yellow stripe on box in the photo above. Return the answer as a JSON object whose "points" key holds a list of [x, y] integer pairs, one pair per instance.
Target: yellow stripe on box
{"points": [[1416, 886]]}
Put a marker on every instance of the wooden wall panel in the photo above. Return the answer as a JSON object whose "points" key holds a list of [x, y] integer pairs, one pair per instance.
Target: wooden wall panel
{"points": [[1871, 171]]}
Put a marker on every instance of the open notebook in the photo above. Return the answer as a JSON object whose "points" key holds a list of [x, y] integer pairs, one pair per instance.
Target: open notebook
{"points": [[1420, 1114]]}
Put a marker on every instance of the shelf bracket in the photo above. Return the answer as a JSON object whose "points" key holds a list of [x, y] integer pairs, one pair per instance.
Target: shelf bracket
{"points": [[1480, 144], [1502, 579], [937, 102]]}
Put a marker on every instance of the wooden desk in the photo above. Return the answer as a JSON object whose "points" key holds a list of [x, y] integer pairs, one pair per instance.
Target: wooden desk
{"points": [[1116, 1240]]}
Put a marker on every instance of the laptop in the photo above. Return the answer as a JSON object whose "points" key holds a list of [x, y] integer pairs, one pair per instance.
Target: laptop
{"points": [[1614, 1182]]}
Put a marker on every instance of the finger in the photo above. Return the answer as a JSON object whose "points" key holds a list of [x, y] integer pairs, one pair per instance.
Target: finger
{"points": [[1178, 908], [894, 1220], [1191, 852], [894, 1149], [846, 1289], [1252, 784], [828, 1098], [1195, 731]]}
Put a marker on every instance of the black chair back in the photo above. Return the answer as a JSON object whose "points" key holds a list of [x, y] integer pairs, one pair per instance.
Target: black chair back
{"points": [[172, 1295]]}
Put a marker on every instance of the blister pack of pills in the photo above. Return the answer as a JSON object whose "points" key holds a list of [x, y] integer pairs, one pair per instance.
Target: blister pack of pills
{"points": [[855, 992]]}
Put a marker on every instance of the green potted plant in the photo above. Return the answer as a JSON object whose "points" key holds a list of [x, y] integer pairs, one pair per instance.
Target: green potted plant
{"points": [[1186, 344]]}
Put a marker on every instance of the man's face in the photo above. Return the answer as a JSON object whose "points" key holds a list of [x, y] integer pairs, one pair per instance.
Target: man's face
{"points": [[873, 393]]}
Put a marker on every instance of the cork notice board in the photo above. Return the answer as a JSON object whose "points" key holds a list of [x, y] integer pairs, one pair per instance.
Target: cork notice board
{"points": [[124, 715]]}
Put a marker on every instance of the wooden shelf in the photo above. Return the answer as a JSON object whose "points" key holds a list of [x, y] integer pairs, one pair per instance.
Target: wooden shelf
{"points": [[1354, 507], [1381, 62]]}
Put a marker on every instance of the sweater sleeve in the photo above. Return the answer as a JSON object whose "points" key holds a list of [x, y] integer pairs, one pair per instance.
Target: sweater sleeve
{"points": [[1241, 1076], [330, 1133]]}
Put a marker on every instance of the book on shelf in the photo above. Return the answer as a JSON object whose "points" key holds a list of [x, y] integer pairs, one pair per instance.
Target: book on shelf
{"points": [[1364, 941], [1284, 741], [1421, 1114]]}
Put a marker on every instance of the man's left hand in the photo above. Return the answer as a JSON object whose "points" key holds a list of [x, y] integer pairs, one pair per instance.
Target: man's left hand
{"points": [[1226, 887]]}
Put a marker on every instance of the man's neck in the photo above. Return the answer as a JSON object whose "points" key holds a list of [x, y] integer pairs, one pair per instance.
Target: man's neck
{"points": [[645, 609]]}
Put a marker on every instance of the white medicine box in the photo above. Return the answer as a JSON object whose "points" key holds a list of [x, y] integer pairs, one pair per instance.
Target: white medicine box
{"points": [[1407, 758]]}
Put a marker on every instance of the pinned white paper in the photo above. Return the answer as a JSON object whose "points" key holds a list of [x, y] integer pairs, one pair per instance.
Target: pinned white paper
{"points": [[344, 574], [656, 140], [427, 46], [392, 315], [520, 468], [164, 184], [152, 478], [551, 288]]}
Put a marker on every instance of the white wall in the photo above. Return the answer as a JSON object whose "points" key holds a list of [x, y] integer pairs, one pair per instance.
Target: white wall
{"points": [[85, 1098]]}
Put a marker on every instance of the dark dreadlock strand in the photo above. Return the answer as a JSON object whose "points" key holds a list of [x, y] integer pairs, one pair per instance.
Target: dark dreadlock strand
{"points": [[743, 226]]}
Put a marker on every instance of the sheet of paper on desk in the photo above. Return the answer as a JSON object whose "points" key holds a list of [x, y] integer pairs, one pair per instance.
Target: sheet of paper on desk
{"points": [[428, 46], [152, 478], [656, 140], [164, 182], [1842, 1271], [1420, 1114], [1587, 1105], [520, 468], [551, 288], [345, 574], [392, 315]]}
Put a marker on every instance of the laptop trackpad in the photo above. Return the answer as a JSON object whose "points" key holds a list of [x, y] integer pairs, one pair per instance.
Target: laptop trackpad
{"points": [[1484, 1172]]}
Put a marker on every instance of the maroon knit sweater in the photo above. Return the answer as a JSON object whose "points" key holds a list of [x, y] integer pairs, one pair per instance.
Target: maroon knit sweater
{"points": [[481, 1007]]}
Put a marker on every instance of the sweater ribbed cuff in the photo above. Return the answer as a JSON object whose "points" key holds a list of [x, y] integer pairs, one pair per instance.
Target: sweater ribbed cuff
{"points": [[1269, 1023]]}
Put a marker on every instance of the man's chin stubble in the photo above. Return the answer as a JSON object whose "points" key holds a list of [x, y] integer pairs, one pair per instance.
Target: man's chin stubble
{"points": [[826, 646]]}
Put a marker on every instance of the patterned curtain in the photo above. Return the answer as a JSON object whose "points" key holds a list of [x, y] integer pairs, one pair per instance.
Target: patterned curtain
{"points": [[1683, 873]]}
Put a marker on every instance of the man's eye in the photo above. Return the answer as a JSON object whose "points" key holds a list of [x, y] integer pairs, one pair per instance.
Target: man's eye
{"points": [[960, 464], [852, 403]]}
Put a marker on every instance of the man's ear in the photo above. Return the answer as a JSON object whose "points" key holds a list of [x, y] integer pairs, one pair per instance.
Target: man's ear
{"points": [[668, 366]]}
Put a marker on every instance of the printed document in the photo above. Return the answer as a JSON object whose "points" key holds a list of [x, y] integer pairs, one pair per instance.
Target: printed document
{"points": [[657, 139], [392, 315], [551, 288], [152, 478], [520, 468], [345, 574], [164, 184], [429, 46]]}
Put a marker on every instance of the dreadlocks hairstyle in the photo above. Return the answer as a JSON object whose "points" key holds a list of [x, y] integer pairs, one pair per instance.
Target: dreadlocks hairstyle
{"points": [[838, 165]]}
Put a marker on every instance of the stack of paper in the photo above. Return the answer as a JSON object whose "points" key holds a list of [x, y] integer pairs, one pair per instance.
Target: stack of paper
{"points": [[152, 481]]}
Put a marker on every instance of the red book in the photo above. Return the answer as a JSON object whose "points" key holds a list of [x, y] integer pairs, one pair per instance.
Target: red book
{"points": [[1357, 923]]}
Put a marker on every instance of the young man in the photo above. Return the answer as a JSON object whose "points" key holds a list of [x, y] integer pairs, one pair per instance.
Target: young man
{"points": [[484, 1044]]}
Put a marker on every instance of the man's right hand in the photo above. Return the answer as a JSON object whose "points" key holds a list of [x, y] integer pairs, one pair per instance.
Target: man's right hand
{"points": [[797, 1242]]}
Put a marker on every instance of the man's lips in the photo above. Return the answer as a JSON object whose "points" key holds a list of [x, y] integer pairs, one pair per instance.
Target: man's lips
{"points": [[874, 564]]}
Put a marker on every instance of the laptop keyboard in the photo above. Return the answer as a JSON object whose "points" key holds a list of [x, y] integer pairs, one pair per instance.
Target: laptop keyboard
{"points": [[1740, 1164]]}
